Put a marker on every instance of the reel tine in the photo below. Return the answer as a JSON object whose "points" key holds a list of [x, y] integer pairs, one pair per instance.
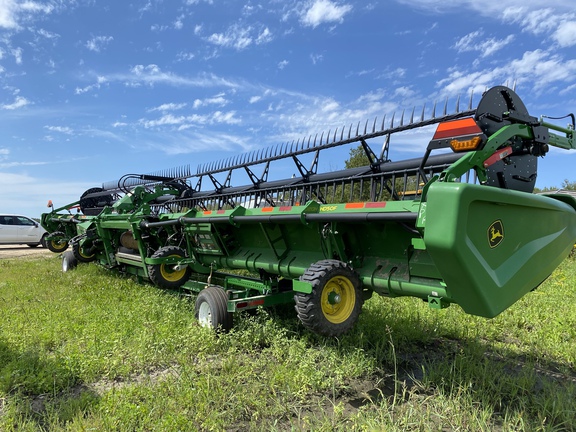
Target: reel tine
{"points": [[350, 131], [321, 137], [423, 111], [374, 124], [445, 106], [365, 126], [434, 110], [392, 120], [402, 119], [471, 99], [334, 138], [458, 104], [383, 120], [342, 133], [412, 115], [357, 128]]}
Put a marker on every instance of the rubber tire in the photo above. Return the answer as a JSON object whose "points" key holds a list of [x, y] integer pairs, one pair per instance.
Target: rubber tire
{"points": [[211, 309], [162, 275], [81, 256], [69, 261], [32, 245], [57, 247], [309, 307]]}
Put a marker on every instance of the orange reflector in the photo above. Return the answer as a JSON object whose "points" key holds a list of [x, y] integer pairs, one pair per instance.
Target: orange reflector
{"points": [[354, 205], [456, 128], [267, 209], [208, 212], [465, 145]]}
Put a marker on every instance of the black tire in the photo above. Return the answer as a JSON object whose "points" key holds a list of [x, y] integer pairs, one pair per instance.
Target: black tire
{"points": [[33, 245], [69, 261], [164, 275], [58, 242], [211, 309], [336, 300], [80, 253]]}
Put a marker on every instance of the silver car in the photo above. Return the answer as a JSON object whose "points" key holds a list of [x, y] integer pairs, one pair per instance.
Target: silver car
{"points": [[16, 229]]}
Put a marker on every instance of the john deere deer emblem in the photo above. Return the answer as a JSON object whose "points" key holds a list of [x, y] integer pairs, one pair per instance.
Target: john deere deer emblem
{"points": [[495, 233]]}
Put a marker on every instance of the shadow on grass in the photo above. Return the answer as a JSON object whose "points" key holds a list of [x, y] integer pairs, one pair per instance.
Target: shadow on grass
{"points": [[490, 377], [37, 389]]}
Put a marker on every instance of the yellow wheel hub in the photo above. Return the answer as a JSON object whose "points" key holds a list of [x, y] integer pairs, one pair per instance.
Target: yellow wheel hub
{"points": [[338, 299], [169, 274]]}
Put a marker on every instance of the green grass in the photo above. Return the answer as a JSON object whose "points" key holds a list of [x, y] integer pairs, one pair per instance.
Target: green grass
{"points": [[90, 350]]}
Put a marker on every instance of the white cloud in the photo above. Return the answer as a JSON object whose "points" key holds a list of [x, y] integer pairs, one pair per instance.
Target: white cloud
{"points": [[283, 64], [239, 38], [185, 122], [473, 42], [216, 100], [20, 102], [324, 11], [539, 67], [17, 53], [565, 34], [184, 56], [168, 107], [14, 11], [62, 129], [97, 43]]}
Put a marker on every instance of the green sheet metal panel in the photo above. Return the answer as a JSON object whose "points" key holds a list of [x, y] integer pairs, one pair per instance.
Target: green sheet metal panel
{"points": [[492, 246]]}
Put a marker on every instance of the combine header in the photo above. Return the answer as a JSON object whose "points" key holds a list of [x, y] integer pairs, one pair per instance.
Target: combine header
{"points": [[458, 226]]}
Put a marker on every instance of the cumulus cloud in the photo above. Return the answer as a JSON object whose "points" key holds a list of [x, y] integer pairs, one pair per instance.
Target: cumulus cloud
{"points": [[540, 67], [19, 102], [324, 11], [13, 12]]}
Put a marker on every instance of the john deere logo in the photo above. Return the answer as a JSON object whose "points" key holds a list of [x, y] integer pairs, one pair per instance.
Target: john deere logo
{"points": [[495, 233]]}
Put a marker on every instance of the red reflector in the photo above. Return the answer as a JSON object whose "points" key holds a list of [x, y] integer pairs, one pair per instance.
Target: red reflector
{"points": [[375, 204], [286, 208], [354, 205], [221, 212], [498, 156], [455, 128], [252, 303], [267, 209]]}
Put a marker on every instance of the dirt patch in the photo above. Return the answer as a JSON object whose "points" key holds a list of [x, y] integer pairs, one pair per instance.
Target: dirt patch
{"points": [[20, 251]]}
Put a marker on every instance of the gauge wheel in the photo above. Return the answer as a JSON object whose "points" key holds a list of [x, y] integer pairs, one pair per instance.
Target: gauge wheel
{"points": [[69, 261], [169, 275], [211, 309], [57, 242], [333, 306], [80, 253]]}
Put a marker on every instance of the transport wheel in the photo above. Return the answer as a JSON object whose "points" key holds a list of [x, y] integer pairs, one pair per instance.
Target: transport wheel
{"points": [[212, 309], [336, 299], [57, 243], [167, 275], [80, 253], [69, 261]]}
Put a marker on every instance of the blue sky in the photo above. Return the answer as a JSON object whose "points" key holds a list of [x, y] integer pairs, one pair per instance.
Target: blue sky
{"points": [[91, 90]]}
